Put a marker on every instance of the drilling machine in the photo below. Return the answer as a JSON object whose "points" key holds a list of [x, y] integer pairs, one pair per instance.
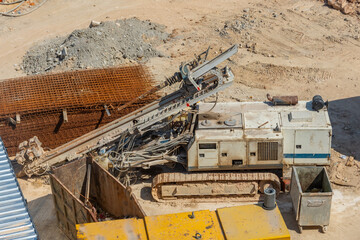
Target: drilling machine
{"points": [[228, 150]]}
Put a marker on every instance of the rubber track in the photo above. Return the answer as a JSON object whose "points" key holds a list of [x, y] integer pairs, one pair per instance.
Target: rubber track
{"points": [[179, 178]]}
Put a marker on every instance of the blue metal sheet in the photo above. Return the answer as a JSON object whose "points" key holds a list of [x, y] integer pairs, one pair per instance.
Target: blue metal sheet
{"points": [[306, 155], [15, 221]]}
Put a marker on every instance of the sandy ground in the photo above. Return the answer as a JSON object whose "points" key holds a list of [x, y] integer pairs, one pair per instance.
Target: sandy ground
{"points": [[344, 218], [287, 47]]}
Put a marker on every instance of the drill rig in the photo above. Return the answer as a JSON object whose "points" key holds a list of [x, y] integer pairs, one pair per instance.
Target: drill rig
{"points": [[198, 80], [226, 151]]}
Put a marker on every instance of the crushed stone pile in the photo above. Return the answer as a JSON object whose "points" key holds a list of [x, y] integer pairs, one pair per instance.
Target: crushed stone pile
{"points": [[101, 45], [242, 24], [348, 7]]}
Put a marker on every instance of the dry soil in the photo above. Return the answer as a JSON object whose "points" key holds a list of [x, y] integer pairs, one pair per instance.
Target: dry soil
{"points": [[296, 47]]}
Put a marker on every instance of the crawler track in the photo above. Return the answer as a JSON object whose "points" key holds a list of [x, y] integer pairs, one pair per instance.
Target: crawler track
{"points": [[212, 186]]}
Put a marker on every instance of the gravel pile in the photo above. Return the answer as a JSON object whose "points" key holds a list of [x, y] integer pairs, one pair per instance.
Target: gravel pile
{"points": [[244, 23], [101, 45]]}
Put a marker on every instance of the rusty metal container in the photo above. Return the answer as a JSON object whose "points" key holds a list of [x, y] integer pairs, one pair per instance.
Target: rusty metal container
{"points": [[311, 195], [68, 185]]}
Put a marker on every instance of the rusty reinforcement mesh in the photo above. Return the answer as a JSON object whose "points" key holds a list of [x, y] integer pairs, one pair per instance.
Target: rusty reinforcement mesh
{"points": [[76, 89], [40, 100]]}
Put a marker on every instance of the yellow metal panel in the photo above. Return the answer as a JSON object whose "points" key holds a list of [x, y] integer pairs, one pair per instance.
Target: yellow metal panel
{"points": [[187, 225], [133, 229], [252, 222]]}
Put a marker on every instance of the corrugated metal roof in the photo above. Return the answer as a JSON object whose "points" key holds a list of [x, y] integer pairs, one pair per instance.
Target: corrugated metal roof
{"points": [[15, 221]]}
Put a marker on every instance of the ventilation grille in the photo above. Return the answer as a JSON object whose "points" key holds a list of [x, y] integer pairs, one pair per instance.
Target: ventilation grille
{"points": [[267, 151]]}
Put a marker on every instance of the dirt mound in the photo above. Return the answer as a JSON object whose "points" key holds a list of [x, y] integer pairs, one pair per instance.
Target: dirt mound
{"points": [[344, 170], [100, 45]]}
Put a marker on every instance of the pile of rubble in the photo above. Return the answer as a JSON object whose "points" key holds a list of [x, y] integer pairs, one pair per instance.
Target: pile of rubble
{"points": [[345, 6], [101, 45], [344, 170], [242, 24]]}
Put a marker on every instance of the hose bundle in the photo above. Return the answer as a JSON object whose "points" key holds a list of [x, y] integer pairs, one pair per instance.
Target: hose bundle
{"points": [[10, 13]]}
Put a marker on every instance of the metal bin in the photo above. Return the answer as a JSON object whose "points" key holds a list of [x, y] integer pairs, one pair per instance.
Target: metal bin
{"points": [[68, 185], [311, 195]]}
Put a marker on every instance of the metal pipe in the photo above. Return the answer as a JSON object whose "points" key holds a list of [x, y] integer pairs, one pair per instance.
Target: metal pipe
{"points": [[263, 124], [205, 67], [283, 100], [87, 190], [269, 200], [65, 116], [107, 111], [18, 118]]}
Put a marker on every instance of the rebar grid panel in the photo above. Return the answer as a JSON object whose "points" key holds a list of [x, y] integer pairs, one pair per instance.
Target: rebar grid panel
{"points": [[52, 131], [40, 101], [73, 90]]}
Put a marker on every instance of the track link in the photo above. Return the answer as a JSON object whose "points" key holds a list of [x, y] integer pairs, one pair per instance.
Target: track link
{"points": [[212, 186]]}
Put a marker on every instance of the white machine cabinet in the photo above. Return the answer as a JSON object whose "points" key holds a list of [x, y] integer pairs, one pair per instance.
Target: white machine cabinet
{"points": [[257, 135]]}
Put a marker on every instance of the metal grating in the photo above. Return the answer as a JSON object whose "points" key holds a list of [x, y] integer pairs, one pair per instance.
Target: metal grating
{"points": [[15, 221], [40, 101], [52, 131], [72, 90], [268, 151]]}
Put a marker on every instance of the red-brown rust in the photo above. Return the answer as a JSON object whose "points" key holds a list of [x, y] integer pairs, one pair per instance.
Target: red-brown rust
{"points": [[106, 193], [40, 100], [283, 100], [52, 132], [71, 90]]}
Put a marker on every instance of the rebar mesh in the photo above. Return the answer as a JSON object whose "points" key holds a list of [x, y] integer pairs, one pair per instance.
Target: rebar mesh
{"points": [[40, 100], [76, 89]]}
